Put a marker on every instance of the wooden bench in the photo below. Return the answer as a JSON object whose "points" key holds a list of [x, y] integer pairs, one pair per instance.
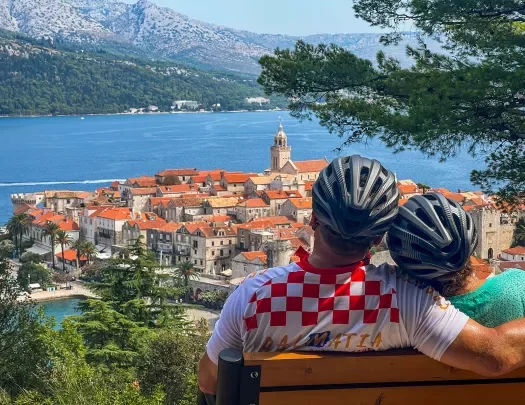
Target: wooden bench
{"points": [[388, 378]]}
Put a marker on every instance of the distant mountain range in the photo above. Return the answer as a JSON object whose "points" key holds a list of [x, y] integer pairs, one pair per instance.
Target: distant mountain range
{"points": [[147, 30]]}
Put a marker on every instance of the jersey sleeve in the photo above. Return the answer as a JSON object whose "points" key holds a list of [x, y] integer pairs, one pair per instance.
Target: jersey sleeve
{"points": [[228, 328], [432, 323]]}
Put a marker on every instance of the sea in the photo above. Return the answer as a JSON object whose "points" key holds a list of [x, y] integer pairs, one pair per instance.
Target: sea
{"points": [[84, 153]]}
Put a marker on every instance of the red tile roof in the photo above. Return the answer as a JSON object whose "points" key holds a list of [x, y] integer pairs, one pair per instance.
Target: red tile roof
{"points": [[24, 209], [178, 172], [511, 265], [402, 201], [308, 185], [408, 188], [171, 227], [71, 255], [518, 250], [218, 187], [254, 203], [200, 178], [143, 225], [302, 203], [250, 256], [186, 201], [308, 166], [144, 191], [281, 194], [143, 181], [238, 177], [455, 196], [156, 201], [67, 224], [114, 214]]}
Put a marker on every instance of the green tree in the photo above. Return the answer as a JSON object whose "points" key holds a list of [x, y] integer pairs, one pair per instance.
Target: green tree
{"points": [[79, 246], [29, 257], [34, 273], [65, 240], [170, 361], [519, 233], [24, 331], [111, 338], [90, 251], [465, 97], [51, 229], [16, 226], [183, 273], [423, 187], [136, 287]]}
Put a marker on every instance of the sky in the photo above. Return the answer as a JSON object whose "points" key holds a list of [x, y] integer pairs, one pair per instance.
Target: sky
{"points": [[291, 17]]}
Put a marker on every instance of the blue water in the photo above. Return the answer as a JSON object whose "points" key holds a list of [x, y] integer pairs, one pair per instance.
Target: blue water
{"points": [[61, 308], [70, 153]]}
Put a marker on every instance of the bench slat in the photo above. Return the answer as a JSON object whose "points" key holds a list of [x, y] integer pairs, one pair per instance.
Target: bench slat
{"points": [[304, 369], [508, 394]]}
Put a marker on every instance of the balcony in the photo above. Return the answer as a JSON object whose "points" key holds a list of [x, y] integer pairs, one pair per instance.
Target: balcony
{"points": [[165, 246], [182, 251]]}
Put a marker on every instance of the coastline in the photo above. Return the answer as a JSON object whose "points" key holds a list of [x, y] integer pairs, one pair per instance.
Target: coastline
{"points": [[144, 113], [78, 291]]}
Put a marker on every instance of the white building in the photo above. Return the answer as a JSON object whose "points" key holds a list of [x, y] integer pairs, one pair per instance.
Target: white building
{"points": [[515, 254]]}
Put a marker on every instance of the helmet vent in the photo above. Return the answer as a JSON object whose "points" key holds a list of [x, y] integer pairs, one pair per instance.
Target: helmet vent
{"points": [[422, 215], [376, 187], [363, 177]]}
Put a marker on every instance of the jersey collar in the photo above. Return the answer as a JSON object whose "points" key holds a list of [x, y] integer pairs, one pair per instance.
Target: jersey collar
{"points": [[306, 266]]}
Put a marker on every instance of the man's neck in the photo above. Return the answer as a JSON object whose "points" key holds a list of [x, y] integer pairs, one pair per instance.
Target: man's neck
{"points": [[329, 260]]}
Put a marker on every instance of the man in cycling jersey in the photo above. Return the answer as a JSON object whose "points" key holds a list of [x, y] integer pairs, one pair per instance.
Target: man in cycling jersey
{"points": [[334, 300]]}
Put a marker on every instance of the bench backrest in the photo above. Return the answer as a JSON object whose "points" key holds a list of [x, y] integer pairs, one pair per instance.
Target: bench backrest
{"points": [[389, 378]]}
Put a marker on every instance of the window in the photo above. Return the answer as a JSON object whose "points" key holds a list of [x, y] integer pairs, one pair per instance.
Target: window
{"points": [[222, 242], [68, 201], [195, 261], [195, 244], [195, 252], [230, 251], [201, 262], [213, 252], [490, 225], [168, 238], [230, 242], [245, 269], [222, 252], [213, 243]]}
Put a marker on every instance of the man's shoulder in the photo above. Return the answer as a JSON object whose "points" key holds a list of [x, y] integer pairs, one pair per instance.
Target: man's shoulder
{"points": [[257, 279]]}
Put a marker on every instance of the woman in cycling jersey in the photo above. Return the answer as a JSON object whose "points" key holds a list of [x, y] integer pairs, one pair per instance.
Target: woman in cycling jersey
{"points": [[432, 239]]}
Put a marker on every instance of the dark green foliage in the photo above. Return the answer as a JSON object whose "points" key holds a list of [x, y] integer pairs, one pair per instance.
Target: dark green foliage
{"points": [[519, 233], [213, 299], [171, 362], [46, 81], [29, 257], [134, 287], [31, 273], [466, 98], [111, 338]]}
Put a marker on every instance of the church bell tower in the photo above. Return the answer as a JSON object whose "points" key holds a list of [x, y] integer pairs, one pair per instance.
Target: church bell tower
{"points": [[280, 151]]}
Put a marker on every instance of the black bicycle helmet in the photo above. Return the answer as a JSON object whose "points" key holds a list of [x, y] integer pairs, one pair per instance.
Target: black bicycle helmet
{"points": [[356, 197], [432, 236]]}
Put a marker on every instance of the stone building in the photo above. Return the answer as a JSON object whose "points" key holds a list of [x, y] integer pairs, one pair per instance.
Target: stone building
{"points": [[280, 152], [299, 209], [495, 231]]}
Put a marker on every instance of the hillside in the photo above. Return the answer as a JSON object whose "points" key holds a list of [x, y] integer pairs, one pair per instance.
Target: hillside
{"points": [[147, 30], [38, 79]]}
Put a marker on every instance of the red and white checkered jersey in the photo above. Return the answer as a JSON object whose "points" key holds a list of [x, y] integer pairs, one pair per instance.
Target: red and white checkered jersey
{"points": [[350, 309]]}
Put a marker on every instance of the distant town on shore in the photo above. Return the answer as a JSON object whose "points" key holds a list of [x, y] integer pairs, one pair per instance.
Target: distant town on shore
{"points": [[227, 224]]}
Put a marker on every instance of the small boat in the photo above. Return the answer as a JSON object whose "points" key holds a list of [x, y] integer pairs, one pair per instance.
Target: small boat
{"points": [[81, 118]]}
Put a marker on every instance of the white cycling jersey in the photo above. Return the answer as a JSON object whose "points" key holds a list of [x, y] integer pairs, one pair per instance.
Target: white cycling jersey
{"points": [[351, 309]]}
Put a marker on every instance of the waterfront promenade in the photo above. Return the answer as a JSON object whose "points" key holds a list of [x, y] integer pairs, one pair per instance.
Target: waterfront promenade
{"points": [[78, 290]]}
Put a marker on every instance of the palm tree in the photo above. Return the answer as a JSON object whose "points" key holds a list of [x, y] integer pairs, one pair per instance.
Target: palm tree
{"points": [[183, 273], [519, 233], [78, 245], [65, 240], [51, 230], [16, 226], [423, 187], [89, 250]]}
